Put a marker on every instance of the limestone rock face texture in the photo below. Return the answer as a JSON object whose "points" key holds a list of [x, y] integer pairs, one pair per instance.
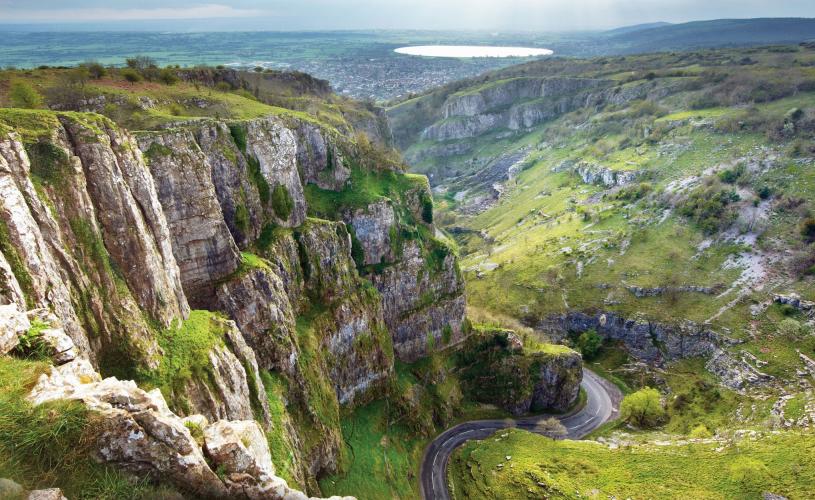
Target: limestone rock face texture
{"points": [[111, 238], [226, 393], [274, 147], [419, 302], [521, 103], [13, 323], [128, 209], [138, 432], [201, 241]]}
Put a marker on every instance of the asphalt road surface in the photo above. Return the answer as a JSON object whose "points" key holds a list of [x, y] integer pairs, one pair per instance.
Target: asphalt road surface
{"points": [[602, 404]]}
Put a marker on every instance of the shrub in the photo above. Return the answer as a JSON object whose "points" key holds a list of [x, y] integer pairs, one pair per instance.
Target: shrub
{"points": [[551, 427], [95, 70], [732, 175], [168, 76], [23, 95], [32, 345], [790, 327], [589, 344], [808, 229], [634, 193], [643, 408], [708, 207], [749, 473], [223, 87], [140, 63], [700, 432], [446, 334], [131, 75], [282, 203], [427, 208]]}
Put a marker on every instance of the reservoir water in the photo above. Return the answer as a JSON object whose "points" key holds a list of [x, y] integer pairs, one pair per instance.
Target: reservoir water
{"points": [[471, 51]]}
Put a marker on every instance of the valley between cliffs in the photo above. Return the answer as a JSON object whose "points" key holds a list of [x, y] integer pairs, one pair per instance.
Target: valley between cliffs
{"points": [[212, 300]]}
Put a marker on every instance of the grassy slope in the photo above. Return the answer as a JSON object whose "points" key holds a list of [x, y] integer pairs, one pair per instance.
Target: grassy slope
{"points": [[561, 245], [147, 105], [540, 467], [49, 445]]}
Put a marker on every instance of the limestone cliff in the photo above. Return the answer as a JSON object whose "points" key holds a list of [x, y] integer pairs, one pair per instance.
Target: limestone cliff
{"points": [[496, 367], [118, 235]]}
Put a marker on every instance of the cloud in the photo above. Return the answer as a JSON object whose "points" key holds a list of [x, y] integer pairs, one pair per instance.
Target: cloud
{"points": [[198, 11]]}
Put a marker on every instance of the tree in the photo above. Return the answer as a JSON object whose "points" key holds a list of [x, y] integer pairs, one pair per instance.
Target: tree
{"points": [[23, 95], [140, 63], [131, 75], [643, 408], [95, 70], [589, 343], [551, 427], [168, 76]]}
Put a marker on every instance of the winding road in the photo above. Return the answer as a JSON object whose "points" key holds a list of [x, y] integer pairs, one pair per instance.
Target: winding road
{"points": [[602, 403]]}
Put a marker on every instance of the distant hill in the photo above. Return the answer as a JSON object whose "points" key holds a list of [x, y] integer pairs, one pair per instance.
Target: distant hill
{"points": [[636, 27], [716, 33]]}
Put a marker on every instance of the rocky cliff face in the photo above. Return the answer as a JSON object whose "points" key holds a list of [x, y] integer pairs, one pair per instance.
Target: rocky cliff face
{"points": [[656, 343], [524, 102], [138, 432], [118, 235], [496, 367]]}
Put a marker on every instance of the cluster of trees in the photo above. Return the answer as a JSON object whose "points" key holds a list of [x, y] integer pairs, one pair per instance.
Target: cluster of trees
{"points": [[145, 68], [68, 90]]}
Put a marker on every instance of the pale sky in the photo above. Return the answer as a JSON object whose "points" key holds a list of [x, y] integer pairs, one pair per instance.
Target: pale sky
{"points": [[537, 15]]}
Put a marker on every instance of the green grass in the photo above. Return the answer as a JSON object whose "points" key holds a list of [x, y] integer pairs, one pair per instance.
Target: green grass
{"points": [[279, 443], [543, 468], [186, 346], [383, 457], [51, 445], [365, 187], [31, 124]]}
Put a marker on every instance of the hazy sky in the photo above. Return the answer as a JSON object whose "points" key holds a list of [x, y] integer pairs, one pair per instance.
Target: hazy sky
{"points": [[538, 15]]}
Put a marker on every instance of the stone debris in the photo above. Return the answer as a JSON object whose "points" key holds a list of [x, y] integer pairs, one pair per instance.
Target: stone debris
{"points": [[13, 323], [48, 494], [138, 432]]}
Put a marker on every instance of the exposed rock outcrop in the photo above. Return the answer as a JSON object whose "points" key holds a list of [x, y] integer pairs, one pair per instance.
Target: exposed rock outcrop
{"points": [[321, 162], [274, 147], [13, 323], [201, 241], [496, 368], [138, 432], [232, 389], [237, 194], [735, 373], [127, 206], [521, 103], [91, 242], [656, 343], [648, 341], [591, 173], [374, 227], [259, 304], [421, 300]]}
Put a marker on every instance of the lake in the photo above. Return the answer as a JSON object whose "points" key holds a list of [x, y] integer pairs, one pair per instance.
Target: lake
{"points": [[471, 51]]}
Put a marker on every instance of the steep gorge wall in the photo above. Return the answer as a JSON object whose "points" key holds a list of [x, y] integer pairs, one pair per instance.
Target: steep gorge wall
{"points": [[522, 103], [118, 235]]}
